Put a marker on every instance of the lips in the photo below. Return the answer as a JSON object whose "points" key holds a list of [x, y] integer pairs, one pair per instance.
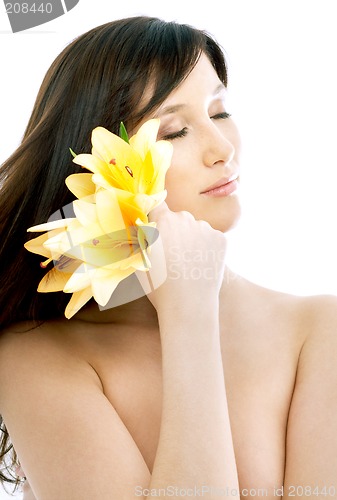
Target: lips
{"points": [[221, 182]]}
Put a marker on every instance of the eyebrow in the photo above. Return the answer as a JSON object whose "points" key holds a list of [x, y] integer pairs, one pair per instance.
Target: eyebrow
{"points": [[169, 109], [177, 107], [220, 89]]}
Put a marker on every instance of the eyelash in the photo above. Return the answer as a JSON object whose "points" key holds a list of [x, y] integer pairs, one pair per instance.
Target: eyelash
{"points": [[183, 132]]}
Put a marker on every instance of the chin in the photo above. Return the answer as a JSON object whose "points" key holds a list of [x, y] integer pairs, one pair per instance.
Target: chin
{"points": [[223, 220], [224, 224], [221, 217]]}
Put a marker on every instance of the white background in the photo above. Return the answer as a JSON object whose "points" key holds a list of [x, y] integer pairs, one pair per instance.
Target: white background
{"points": [[282, 87]]}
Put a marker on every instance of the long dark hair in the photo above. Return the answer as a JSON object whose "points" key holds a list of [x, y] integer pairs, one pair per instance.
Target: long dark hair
{"points": [[97, 80]]}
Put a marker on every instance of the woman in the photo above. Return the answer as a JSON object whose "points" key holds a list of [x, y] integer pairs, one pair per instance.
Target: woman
{"points": [[206, 387]]}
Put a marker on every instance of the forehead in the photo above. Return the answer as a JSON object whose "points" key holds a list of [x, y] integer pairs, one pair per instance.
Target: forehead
{"points": [[202, 82]]}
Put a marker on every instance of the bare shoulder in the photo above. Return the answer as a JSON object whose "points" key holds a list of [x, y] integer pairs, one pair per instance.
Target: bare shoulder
{"points": [[29, 346], [314, 316], [305, 324], [319, 315], [37, 359], [23, 340], [67, 433], [283, 314], [308, 311]]}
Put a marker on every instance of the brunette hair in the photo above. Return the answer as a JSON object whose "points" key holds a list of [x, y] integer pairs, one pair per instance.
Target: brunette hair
{"points": [[97, 80]]}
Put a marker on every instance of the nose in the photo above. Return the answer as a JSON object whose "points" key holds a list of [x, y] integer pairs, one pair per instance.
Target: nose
{"points": [[217, 147]]}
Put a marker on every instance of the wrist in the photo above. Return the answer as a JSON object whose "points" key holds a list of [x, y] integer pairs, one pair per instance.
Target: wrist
{"points": [[198, 310]]}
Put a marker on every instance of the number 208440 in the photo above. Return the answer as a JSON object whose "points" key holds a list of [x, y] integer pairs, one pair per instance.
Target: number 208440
{"points": [[25, 8], [308, 491]]}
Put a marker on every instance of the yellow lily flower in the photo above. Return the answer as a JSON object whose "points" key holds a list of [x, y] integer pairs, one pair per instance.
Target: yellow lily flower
{"points": [[138, 167], [92, 252], [109, 237]]}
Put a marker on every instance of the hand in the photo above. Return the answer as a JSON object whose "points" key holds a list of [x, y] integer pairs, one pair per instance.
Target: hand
{"points": [[194, 256]]}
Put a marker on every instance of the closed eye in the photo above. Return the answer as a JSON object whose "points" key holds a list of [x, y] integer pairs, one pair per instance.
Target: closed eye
{"points": [[220, 116], [183, 132], [175, 135]]}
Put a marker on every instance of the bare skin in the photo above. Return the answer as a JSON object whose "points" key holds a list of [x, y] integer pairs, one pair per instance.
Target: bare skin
{"points": [[122, 362], [212, 382]]}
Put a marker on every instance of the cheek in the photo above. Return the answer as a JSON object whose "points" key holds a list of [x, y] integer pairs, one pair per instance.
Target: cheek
{"points": [[175, 175], [174, 184], [183, 167], [181, 187]]}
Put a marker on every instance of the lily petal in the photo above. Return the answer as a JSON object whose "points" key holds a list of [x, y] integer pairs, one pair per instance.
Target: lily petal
{"points": [[161, 154], [49, 225], [109, 212], [37, 245], [85, 212], [53, 281], [79, 280], [110, 146], [91, 162], [81, 185], [146, 137], [104, 286], [78, 300]]}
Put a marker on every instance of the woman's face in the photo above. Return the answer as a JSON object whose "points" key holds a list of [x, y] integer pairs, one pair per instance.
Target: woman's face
{"points": [[206, 147]]}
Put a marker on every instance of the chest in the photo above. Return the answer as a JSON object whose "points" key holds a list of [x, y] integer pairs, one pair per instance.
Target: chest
{"points": [[259, 371]]}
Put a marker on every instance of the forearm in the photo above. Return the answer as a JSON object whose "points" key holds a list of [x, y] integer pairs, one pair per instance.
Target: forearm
{"points": [[195, 446]]}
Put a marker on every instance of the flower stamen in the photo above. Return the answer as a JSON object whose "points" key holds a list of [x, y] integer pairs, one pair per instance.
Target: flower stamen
{"points": [[45, 263], [63, 262], [128, 169]]}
